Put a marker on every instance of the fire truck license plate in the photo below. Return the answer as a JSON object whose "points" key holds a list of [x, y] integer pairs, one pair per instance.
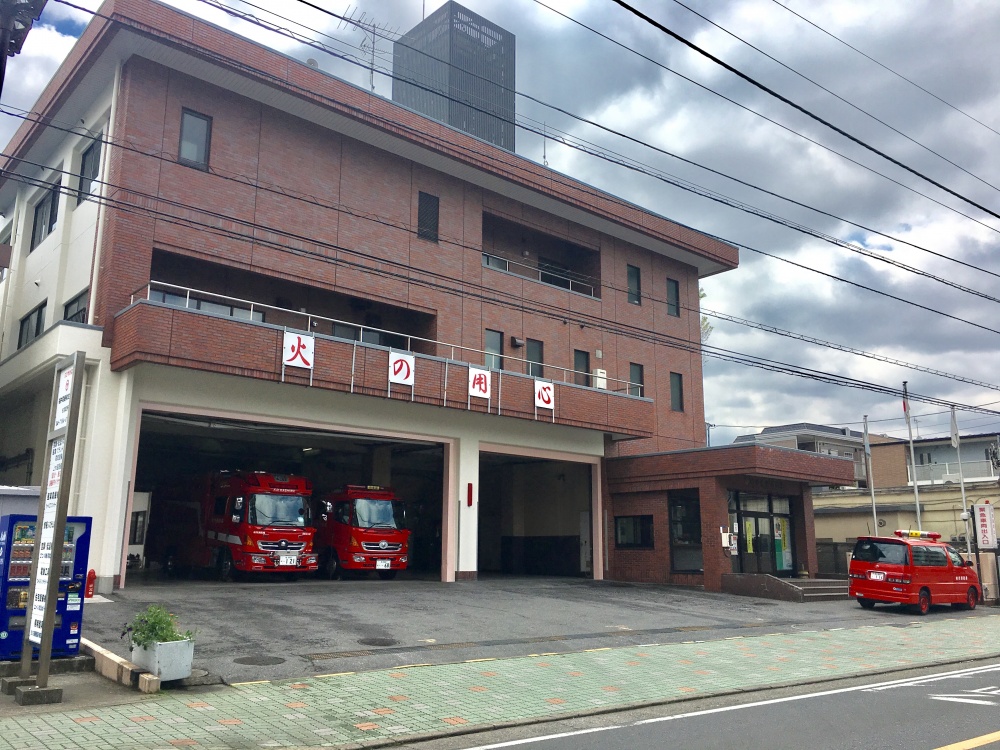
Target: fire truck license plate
{"points": [[877, 575], [381, 565], [288, 560]]}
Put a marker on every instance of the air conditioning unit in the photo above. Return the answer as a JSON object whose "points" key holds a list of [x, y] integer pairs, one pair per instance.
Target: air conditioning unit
{"points": [[600, 378]]}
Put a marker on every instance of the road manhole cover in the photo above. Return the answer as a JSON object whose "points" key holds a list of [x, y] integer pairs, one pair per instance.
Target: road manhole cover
{"points": [[377, 642], [260, 661]]}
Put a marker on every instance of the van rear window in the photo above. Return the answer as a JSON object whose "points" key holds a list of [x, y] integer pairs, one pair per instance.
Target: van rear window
{"points": [[870, 551]]}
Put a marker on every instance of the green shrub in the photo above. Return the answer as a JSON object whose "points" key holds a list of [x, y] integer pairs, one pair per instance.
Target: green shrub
{"points": [[155, 625]]}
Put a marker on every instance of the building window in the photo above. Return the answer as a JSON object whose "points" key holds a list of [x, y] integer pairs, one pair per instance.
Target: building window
{"points": [[218, 308], [634, 532], [685, 531], [46, 213], [673, 298], [533, 353], [196, 139], [32, 326], [75, 310], [636, 379], [551, 272], [427, 217], [494, 349], [492, 261], [581, 363], [90, 165], [676, 391], [634, 286]]}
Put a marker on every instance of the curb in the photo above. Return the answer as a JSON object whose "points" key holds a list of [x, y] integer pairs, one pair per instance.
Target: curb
{"points": [[119, 669]]}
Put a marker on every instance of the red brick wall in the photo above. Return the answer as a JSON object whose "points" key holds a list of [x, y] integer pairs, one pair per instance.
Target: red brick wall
{"points": [[331, 212]]}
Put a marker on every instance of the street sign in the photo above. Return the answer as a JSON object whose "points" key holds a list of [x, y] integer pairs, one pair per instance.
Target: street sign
{"points": [[986, 532]]}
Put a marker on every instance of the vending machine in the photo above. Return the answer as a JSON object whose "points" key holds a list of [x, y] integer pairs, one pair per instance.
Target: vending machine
{"points": [[17, 542]]}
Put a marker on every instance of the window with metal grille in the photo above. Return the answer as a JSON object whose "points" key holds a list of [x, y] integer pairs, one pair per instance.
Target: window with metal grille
{"points": [[427, 217]]}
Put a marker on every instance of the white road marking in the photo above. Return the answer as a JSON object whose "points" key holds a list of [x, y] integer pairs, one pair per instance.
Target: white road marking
{"points": [[962, 699]]}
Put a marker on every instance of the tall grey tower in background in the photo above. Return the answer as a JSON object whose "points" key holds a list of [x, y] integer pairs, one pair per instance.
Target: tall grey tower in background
{"points": [[457, 67]]}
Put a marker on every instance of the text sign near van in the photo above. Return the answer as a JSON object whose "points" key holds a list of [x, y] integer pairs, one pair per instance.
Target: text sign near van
{"points": [[986, 531]]}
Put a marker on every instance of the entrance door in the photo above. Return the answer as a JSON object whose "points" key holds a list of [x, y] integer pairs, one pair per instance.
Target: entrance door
{"points": [[756, 545]]}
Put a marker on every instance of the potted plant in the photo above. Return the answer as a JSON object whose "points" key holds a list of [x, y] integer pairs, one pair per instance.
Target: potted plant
{"points": [[157, 644]]}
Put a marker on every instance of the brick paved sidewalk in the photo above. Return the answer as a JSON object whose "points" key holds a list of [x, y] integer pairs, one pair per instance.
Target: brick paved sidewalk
{"points": [[421, 701]]}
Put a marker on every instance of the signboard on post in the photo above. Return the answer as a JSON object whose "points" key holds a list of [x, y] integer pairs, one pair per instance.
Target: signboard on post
{"points": [[986, 532], [53, 503]]}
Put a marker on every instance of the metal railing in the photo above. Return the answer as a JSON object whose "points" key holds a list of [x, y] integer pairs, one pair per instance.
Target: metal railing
{"points": [[544, 275], [248, 312], [973, 471]]}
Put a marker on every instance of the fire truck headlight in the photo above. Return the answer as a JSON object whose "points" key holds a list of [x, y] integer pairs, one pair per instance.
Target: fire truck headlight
{"points": [[359, 558], [259, 559], [402, 559], [310, 559]]}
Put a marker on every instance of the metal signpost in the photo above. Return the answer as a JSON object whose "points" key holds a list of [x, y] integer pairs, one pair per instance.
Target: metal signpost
{"points": [[50, 529]]}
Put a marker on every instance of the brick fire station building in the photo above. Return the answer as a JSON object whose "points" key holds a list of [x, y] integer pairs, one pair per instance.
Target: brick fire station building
{"points": [[181, 201]]}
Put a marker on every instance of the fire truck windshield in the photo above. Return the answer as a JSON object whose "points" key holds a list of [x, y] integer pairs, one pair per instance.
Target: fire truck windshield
{"points": [[383, 514], [277, 510]]}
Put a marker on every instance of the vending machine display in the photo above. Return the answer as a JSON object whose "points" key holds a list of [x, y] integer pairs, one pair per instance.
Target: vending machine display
{"points": [[17, 542]]}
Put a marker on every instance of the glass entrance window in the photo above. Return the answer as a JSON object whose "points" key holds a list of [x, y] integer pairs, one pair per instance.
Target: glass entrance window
{"points": [[764, 527], [685, 531]]}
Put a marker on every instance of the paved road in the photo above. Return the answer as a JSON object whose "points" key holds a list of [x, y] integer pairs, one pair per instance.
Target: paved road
{"points": [[412, 703], [921, 712], [279, 630]]}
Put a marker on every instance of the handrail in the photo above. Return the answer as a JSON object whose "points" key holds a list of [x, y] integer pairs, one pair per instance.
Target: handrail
{"points": [[537, 272], [568, 375]]}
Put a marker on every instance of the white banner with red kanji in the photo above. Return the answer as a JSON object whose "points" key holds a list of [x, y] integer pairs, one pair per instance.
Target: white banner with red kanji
{"points": [[298, 350], [401, 368]]}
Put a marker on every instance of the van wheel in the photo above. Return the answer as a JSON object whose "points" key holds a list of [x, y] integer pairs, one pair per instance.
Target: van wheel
{"points": [[972, 598], [387, 575], [330, 566], [923, 602], [867, 603]]}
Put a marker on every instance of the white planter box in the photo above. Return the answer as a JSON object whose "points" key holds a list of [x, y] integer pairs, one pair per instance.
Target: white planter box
{"points": [[168, 661]]}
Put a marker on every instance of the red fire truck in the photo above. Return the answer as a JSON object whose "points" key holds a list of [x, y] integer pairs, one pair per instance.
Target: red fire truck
{"points": [[360, 528], [234, 522]]}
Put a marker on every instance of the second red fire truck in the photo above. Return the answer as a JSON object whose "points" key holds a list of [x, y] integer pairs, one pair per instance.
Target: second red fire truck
{"points": [[235, 522], [361, 528]]}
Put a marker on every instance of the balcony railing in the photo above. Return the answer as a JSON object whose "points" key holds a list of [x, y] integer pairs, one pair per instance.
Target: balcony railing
{"points": [[562, 278], [973, 471], [256, 312]]}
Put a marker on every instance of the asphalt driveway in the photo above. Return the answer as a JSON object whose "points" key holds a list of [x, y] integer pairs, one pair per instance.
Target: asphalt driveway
{"points": [[265, 630]]}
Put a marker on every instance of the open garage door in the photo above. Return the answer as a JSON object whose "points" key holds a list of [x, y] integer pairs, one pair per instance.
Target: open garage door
{"points": [[534, 516], [176, 447]]}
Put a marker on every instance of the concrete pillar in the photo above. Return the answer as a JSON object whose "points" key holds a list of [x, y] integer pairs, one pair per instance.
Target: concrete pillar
{"points": [[466, 498]]}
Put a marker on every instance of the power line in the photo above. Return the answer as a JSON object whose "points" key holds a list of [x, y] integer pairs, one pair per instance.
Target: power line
{"points": [[800, 108], [834, 94], [885, 67]]}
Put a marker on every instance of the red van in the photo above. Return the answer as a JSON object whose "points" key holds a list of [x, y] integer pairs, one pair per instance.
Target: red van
{"points": [[913, 568]]}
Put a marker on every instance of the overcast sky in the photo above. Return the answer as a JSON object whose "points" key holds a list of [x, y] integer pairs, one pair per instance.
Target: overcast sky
{"points": [[946, 48]]}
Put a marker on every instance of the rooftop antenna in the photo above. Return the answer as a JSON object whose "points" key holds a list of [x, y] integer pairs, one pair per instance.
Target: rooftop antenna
{"points": [[372, 31]]}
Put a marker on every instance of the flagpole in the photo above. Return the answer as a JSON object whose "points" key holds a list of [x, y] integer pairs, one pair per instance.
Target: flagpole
{"points": [[913, 458], [868, 474], [957, 443]]}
